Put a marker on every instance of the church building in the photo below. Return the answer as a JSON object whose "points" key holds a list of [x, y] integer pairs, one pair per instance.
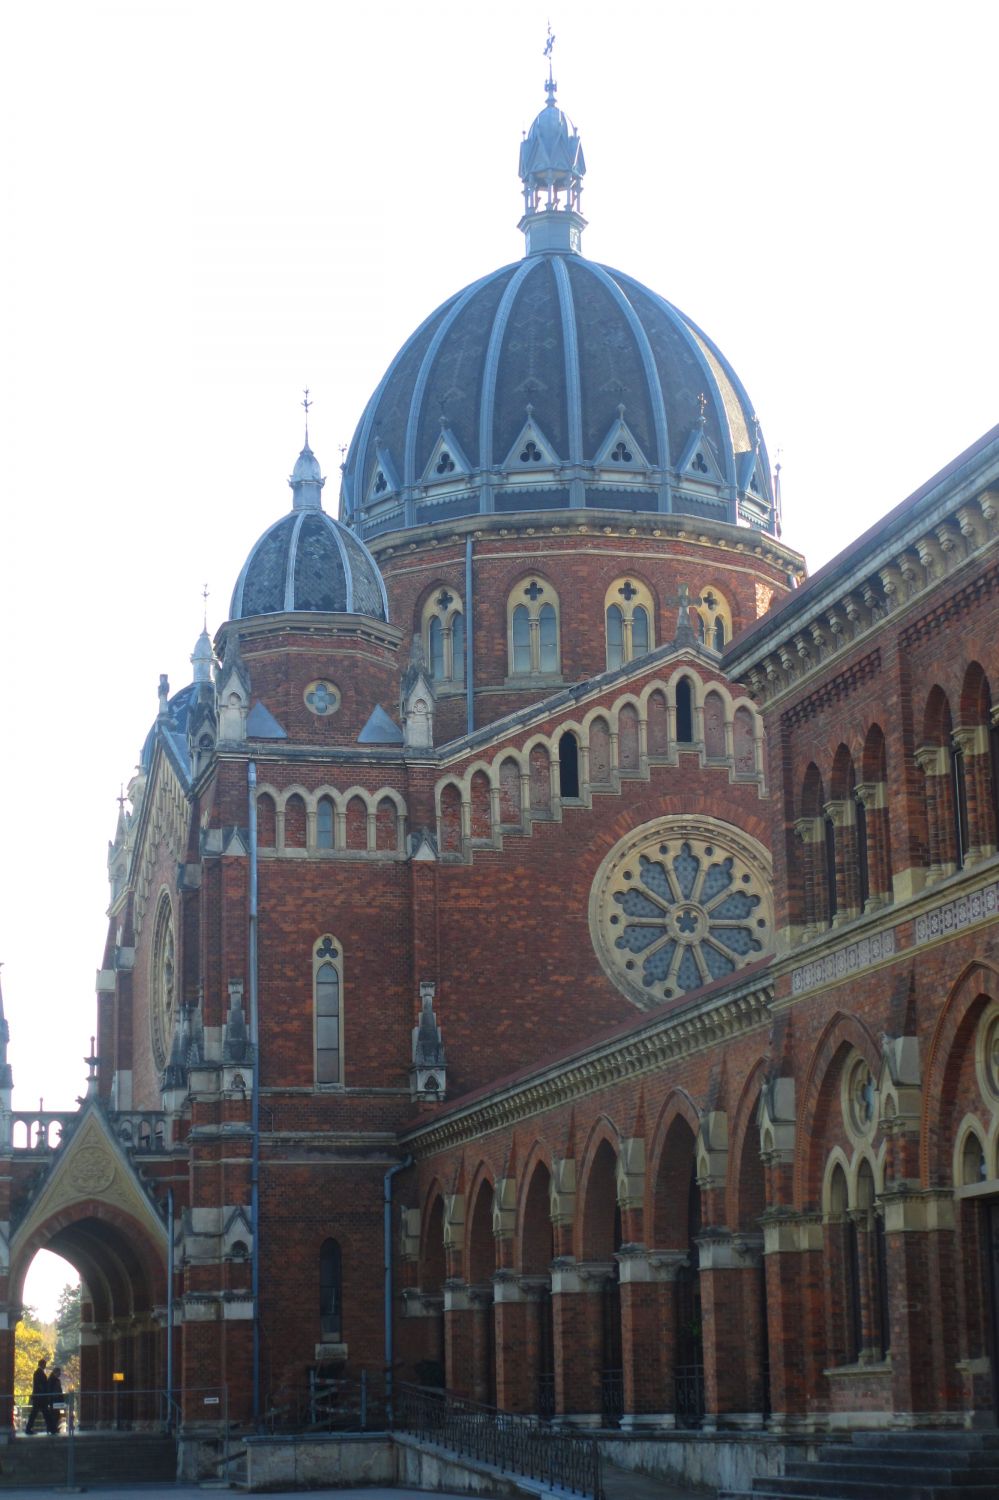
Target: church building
{"points": [[552, 947]]}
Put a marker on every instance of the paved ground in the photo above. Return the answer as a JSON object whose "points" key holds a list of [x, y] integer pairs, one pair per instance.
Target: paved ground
{"points": [[622, 1487]]}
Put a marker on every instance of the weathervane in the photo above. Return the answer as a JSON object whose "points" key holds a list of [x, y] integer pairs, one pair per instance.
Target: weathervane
{"points": [[550, 86], [307, 404]]}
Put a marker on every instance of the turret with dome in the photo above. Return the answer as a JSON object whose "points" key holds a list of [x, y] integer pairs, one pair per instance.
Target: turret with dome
{"points": [[556, 384]]}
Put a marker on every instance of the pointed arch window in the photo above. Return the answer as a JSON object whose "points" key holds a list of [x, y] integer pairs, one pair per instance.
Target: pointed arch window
{"points": [[533, 629], [712, 619], [325, 824], [330, 1292], [443, 631], [327, 988], [629, 615]]}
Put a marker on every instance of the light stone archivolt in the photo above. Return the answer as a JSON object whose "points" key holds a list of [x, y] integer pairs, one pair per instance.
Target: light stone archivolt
{"points": [[637, 704], [680, 903], [340, 800], [166, 822], [92, 1166]]}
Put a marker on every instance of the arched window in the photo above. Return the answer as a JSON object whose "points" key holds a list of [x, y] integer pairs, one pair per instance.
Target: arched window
{"points": [[615, 638], [712, 618], [327, 984], [568, 765], [330, 1293], [443, 631], [684, 712], [533, 629], [325, 824], [629, 614]]}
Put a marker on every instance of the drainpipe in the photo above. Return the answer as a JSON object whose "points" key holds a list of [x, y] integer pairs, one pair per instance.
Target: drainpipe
{"points": [[251, 780], [169, 1312], [387, 1228], [469, 642]]}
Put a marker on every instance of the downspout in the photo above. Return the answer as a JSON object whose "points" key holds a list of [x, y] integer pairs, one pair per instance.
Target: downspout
{"points": [[469, 642], [169, 1312], [387, 1230], [251, 780]]}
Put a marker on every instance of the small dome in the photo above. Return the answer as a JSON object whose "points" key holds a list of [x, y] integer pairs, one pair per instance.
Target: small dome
{"points": [[306, 469], [552, 148], [309, 562]]}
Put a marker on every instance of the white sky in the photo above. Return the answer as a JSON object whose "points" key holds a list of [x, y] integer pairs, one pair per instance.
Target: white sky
{"points": [[207, 206]]}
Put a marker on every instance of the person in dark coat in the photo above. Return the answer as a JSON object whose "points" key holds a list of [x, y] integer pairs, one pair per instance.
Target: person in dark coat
{"points": [[39, 1396], [53, 1410]]}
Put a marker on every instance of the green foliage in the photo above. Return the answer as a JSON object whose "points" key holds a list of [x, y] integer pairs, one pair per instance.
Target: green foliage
{"points": [[67, 1325], [30, 1344]]}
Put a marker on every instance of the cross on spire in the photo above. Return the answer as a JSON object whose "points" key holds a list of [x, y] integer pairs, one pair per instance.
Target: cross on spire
{"points": [[550, 86], [307, 404], [204, 597]]}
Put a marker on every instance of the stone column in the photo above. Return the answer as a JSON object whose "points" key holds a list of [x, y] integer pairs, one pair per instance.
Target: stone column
{"points": [[459, 1337], [792, 1247], [923, 1270], [516, 1358], [873, 795], [732, 1307], [648, 1335], [577, 1290], [934, 762], [483, 1345]]}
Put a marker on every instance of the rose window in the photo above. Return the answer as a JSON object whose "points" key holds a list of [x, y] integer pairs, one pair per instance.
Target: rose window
{"points": [[679, 905]]}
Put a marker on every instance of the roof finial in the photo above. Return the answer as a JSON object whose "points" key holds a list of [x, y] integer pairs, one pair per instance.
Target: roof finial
{"points": [[551, 85], [204, 596], [702, 403], [307, 403]]}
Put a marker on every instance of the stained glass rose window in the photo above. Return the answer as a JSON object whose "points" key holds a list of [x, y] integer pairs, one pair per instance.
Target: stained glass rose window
{"points": [[679, 904]]}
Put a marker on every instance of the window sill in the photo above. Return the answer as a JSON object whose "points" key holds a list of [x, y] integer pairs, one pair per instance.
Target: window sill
{"points": [[534, 679]]}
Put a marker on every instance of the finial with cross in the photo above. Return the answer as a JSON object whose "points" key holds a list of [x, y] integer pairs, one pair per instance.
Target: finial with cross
{"points": [[308, 405], [121, 796], [684, 603], [551, 85], [204, 598]]}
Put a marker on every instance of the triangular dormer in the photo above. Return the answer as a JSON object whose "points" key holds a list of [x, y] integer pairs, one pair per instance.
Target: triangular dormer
{"points": [[751, 475], [699, 461], [447, 461], [384, 481], [532, 450], [619, 449]]}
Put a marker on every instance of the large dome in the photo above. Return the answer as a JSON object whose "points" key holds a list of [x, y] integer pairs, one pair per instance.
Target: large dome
{"points": [[556, 383], [308, 561]]}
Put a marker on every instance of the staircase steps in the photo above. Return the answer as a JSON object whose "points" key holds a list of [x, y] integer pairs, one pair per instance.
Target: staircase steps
{"points": [[890, 1466], [113, 1458]]}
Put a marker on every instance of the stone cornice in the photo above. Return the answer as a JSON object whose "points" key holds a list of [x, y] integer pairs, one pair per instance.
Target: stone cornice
{"points": [[535, 525], [950, 524], [690, 1028]]}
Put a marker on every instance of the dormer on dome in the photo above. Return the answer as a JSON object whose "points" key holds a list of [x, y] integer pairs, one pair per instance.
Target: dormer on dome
{"points": [[307, 561], [552, 168]]}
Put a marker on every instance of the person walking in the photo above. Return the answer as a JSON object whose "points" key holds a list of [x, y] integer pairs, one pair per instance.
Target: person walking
{"points": [[39, 1395], [54, 1408]]}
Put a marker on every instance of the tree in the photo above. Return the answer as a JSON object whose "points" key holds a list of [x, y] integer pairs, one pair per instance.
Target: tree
{"points": [[30, 1345], [67, 1340]]}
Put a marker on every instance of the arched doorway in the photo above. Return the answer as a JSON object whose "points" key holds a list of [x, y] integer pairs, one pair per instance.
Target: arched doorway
{"points": [[601, 1242], [537, 1251]]}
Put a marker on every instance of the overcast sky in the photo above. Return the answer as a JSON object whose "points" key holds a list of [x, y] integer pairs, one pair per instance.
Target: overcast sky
{"points": [[206, 207]]}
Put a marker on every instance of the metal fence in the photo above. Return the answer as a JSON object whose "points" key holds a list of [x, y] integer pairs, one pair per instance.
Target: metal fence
{"points": [[518, 1444], [346, 1403]]}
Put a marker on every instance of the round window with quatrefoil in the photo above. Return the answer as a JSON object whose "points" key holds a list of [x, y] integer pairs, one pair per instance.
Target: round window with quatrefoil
{"points": [[678, 904]]}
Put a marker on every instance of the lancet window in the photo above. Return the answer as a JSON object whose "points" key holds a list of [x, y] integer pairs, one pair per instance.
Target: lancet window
{"points": [[629, 617], [444, 637], [533, 629]]}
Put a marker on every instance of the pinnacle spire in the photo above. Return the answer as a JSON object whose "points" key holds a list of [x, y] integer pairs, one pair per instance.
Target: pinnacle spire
{"points": [[552, 169]]}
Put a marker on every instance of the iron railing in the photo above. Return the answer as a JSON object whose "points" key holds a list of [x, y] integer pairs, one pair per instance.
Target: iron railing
{"points": [[354, 1403], [688, 1389], [612, 1396], [517, 1444]]}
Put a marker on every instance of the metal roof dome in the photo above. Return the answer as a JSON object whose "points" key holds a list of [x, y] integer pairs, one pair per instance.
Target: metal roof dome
{"points": [[556, 383], [308, 561]]}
